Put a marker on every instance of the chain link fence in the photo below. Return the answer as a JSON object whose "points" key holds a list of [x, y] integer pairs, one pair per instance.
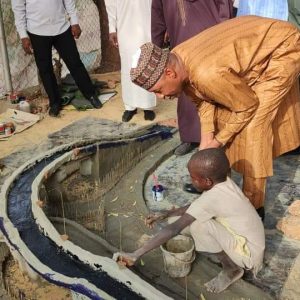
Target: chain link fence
{"points": [[22, 67]]}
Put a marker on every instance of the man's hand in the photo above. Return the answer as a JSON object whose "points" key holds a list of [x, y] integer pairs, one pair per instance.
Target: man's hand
{"points": [[208, 141], [125, 259], [211, 144], [76, 31], [152, 218], [113, 38], [26, 44]]}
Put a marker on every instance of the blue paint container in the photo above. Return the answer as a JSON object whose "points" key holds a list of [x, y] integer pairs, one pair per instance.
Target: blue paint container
{"points": [[158, 192]]}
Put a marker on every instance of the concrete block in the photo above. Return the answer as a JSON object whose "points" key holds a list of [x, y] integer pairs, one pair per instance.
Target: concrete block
{"points": [[294, 208], [290, 226]]}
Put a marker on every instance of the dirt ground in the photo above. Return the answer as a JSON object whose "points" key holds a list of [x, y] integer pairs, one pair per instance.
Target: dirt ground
{"points": [[112, 110]]}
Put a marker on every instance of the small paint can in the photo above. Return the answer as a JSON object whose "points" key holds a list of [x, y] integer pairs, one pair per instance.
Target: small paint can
{"points": [[158, 192], [13, 98], [2, 128], [8, 130]]}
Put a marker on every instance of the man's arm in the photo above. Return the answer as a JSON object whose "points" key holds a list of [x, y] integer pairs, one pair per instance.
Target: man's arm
{"points": [[152, 218], [71, 11], [206, 113], [19, 10], [233, 93], [163, 236], [158, 25]]}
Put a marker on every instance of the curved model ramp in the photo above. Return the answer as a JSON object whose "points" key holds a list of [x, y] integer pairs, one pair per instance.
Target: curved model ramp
{"points": [[34, 241]]}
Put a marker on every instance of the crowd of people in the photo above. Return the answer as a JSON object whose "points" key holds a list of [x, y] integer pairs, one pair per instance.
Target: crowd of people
{"points": [[236, 81]]}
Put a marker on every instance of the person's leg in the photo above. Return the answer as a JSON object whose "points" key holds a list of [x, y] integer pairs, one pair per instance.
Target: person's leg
{"points": [[133, 96], [188, 124], [67, 49], [127, 92], [213, 238], [255, 190], [230, 274], [42, 49]]}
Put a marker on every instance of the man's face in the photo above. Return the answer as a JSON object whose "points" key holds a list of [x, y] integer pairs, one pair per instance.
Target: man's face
{"points": [[168, 86]]}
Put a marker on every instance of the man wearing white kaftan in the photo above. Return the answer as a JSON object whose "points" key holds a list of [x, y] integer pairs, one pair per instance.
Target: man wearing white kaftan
{"points": [[129, 28]]}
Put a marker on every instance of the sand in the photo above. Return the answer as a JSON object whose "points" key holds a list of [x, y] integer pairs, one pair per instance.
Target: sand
{"points": [[19, 286]]}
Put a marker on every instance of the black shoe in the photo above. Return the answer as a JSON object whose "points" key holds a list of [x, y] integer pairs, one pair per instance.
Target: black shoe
{"points": [[185, 148], [95, 102], [261, 213], [128, 114], [188, 187], [149, 115], [54, 110]]}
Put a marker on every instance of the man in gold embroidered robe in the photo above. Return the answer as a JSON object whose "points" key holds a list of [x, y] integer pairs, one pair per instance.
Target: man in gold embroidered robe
{"points": [[242, 76]]}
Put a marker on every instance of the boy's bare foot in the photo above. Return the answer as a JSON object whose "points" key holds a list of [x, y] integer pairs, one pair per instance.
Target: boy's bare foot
{"points": [[224, 279]]}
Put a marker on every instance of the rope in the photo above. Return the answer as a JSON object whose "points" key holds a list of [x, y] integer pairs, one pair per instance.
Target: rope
{"points": [[186, 288], [63, 212]]}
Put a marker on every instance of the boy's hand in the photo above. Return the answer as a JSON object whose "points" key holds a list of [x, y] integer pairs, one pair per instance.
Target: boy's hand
{"points": [[152, 218], [76, 31], [125, 259]]}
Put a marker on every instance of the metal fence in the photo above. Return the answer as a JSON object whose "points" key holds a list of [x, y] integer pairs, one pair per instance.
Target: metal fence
{"points": [[22, 67]]}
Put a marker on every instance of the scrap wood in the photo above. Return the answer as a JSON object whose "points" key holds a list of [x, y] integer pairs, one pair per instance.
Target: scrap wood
{"points": [[113, 215], [125, 215], [202, 297], [64, 237], [115, 199]]}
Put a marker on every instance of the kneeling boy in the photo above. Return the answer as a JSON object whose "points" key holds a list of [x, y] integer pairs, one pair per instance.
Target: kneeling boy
{"points": [[222, 222]]}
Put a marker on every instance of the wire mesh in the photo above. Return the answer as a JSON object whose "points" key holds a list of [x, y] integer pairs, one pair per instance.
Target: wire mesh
{"points": [[22, 67]]}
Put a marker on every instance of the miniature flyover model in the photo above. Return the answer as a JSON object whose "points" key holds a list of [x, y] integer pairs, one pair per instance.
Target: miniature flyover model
{"points": [[37, 245]]}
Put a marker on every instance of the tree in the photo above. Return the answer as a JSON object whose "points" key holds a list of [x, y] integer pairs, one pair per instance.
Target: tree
{"points": [[110, 56]]}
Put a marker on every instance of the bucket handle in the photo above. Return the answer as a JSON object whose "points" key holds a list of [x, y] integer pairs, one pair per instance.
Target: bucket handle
{"points": [[183, 261]]}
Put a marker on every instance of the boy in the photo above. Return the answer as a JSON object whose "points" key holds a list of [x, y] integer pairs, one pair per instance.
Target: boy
{"points": [[222, 222]]}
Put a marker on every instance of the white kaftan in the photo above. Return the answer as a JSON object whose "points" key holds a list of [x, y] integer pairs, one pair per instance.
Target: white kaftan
{"points": [[131, 19]]}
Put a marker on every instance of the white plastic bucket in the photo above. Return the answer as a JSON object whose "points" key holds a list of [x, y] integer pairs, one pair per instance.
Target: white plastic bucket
{"points": [[178, 255], [24, 106]]}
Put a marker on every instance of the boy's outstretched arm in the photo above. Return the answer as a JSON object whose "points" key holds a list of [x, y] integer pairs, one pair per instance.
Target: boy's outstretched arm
{"points": [[154, 217], [163, 236]]}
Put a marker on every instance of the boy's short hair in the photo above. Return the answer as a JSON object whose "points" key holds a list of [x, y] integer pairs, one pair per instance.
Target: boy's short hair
{"points": [[210, 163]]}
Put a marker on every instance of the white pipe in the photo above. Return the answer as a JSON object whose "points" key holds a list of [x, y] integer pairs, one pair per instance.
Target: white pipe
{"points": [[4, 56]]}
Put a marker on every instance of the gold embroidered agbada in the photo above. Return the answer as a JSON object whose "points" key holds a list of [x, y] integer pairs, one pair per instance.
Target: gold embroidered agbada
{"points": [[243, 78]]}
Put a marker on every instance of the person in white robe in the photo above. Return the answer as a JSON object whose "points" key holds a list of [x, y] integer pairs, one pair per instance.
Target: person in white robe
{"points": [[129, 28]]}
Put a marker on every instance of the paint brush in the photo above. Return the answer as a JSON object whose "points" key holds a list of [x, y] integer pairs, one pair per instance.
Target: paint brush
{"points": [[155, 180]]}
